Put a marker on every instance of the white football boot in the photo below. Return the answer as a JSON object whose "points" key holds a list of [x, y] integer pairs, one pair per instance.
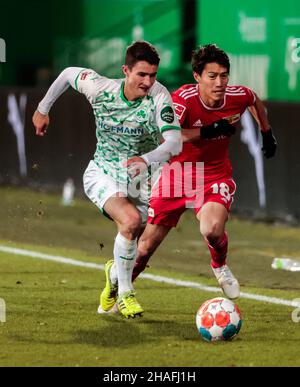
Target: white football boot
{"points": [[227, 281]]}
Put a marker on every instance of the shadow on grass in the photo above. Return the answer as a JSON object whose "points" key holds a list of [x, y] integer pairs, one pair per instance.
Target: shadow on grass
{"points": [[124, 333], [116, 331]]}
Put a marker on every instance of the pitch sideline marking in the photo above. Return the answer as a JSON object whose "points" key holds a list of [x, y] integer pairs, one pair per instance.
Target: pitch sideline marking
{"points": [[156, 278]]}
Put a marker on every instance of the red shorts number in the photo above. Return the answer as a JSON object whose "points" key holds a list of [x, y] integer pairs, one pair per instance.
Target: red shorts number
{"points": [[167, 210]]}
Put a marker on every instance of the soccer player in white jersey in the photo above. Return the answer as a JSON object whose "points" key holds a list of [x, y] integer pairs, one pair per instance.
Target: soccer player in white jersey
{"points": [[132, 116]]}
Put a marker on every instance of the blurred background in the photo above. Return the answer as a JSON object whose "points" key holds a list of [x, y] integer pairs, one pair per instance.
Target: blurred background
{"points": [[40, 38]]}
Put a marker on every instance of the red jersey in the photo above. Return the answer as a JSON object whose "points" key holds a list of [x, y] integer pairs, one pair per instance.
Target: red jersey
{"points": [[193, 113]]}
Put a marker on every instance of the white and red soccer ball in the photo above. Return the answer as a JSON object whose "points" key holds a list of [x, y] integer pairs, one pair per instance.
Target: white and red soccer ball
{"points": [[218, 319]]}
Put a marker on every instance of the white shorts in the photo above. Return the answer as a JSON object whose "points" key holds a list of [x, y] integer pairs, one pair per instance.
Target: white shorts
{"points": [[99, 187]]}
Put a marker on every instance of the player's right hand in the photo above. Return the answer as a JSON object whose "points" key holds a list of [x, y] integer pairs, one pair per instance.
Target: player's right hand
{"points": [[135, 165], [224, 128], [40, 122], [218, 128]]}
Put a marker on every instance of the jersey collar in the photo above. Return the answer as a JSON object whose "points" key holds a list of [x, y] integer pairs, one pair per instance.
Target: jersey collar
{"points": [[210, 108], [136, 102]]}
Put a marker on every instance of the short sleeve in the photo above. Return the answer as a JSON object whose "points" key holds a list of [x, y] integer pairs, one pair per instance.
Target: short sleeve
{"points": [[250, 96]]}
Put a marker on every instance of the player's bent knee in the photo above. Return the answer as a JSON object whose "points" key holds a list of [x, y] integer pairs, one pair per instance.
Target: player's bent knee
{"points": [[212, 232], [131, 224], [145, 250]]}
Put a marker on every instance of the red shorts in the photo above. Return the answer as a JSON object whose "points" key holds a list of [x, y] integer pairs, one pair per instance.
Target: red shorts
{"points": [[167, 209]]}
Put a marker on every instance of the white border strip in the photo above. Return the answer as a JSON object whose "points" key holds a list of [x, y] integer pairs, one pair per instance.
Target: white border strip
{"points": [[156, 278]]}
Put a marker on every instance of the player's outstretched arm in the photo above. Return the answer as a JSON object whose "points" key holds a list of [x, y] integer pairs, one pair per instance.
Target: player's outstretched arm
{"points": [[66, 78], [259, 113]]}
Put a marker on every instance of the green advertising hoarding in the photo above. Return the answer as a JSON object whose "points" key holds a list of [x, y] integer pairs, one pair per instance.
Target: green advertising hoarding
{"points": [[49, 35], [108, 27], [262, 39]]}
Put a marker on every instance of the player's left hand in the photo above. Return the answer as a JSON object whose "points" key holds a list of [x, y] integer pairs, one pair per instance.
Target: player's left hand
{"points": [[269, 144], [135, 166], [219, 128]]}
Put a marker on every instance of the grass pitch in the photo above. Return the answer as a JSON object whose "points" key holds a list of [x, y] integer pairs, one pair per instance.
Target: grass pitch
{"points": [[51, 317]]}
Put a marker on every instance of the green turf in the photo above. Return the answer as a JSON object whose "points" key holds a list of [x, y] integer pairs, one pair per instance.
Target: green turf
{"points": [[51, 307], [39, 219]]}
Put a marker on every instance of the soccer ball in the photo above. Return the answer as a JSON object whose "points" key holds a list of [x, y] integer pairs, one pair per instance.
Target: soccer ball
{"points": [[218, 319]]}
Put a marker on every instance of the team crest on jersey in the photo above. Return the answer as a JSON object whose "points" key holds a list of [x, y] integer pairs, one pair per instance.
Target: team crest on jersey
{"points": [[233, 119], [167, 114], [179, 110], [141, 115]]}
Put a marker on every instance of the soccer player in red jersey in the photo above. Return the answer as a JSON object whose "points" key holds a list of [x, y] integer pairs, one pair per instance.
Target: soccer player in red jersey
{"points": [[201, 108]]}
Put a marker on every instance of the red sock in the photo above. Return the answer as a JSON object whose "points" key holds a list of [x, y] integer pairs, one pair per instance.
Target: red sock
{"points": [[140, 265], [219, 251]]}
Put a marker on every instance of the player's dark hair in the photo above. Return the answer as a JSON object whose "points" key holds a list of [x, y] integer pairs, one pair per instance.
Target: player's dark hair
{"points": [[141, 51], [208, 54]]}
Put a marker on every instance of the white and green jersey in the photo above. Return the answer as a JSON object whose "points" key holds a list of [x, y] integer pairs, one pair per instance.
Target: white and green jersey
{"points": [[125, 128]]}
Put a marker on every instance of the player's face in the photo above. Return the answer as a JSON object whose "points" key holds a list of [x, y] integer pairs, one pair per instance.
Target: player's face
{"points": [[139, 79], [212, 83]]}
